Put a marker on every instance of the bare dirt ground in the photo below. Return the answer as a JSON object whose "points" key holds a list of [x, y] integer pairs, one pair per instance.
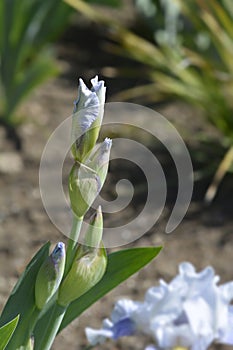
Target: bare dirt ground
{"points": [[205, 236]]}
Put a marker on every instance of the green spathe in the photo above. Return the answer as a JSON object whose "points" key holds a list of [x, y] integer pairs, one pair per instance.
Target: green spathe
{"points": [[84, 186], [50, 275], [86, 179], [94, 233], [88, 268]]}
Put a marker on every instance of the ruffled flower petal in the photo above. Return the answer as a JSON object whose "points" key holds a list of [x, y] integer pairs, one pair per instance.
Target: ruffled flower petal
{"points": [[190, 312], [121, 323]]}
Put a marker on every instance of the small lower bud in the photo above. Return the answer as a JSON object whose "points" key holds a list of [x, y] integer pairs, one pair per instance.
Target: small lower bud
{"points": [[50, 275]]}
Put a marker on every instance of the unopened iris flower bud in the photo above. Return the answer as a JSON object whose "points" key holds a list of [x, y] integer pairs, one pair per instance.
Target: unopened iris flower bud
{"points": [[87, 117], [87, 179], [50, 275], [88, 266]]}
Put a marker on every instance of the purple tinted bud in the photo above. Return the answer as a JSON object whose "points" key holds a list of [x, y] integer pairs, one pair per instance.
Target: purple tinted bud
{"points": [[50, 275]]}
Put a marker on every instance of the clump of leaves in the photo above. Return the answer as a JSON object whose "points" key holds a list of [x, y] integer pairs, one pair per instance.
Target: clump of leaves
{"points": [[26, 59]]}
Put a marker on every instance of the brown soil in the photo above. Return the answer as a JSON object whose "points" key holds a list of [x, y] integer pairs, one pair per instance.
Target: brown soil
{"points": [[204, 237]]}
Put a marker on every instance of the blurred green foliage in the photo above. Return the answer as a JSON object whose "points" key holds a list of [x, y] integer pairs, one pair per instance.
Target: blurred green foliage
{"points": [[112, 3], [26, 60], [187, 56], [191, 60]]}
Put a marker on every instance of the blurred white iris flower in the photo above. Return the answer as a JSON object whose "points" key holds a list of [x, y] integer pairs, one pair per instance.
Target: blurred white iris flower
{"points": [[191, 312]]}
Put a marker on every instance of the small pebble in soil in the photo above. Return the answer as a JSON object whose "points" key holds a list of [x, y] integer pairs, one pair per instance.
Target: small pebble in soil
{"points": [[10, 163]]}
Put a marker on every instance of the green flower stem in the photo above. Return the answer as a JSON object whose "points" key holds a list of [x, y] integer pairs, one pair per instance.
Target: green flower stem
{"points": [[74, 235], [53, 324], [32, 322], [25, 330]]}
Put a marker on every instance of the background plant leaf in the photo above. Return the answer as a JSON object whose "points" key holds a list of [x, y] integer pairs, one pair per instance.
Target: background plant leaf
{"points": [[6, 332], [26, 30], [111, 3]]}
